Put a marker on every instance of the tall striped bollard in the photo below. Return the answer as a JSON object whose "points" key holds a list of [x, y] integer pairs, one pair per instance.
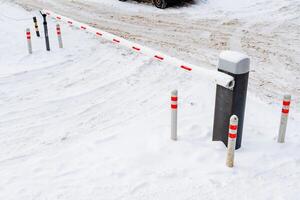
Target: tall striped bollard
{"points": [[174, 105], [284, 117], [232, 135], [58, 32], [28, 36], [36, 27]]}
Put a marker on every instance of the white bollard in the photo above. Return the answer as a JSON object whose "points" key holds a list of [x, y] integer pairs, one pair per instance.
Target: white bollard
{"points": [[58, 32], [28, 36], [284, 117], [232, 135], [174, 105]]}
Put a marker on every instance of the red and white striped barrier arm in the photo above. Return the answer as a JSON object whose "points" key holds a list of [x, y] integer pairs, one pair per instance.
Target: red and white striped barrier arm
{"points": [[220, 78]]}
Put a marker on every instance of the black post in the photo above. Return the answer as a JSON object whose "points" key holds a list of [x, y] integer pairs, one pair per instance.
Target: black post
{"points": [[36, 27], [46, 32], [231, 102]]}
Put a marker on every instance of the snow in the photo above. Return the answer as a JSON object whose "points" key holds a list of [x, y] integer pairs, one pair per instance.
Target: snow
{"points": [[92, 121]]}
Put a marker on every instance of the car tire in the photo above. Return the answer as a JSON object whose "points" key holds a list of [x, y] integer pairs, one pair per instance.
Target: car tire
{"points": [[162, 4]]}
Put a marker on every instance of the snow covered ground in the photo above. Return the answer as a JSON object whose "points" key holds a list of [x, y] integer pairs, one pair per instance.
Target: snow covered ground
{"points": [[92, 121]]}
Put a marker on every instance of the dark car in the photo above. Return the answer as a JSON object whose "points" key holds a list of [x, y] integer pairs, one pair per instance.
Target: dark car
{"points": [[160, 3]]}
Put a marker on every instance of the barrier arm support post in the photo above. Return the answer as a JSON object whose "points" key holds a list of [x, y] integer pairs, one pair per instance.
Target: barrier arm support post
{"points": [[231, 102], [46, 31]]}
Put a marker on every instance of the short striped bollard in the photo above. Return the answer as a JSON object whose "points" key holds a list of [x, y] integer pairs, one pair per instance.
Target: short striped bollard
{"points": [[28, 36], [233, 127], [174, 105], [284, 117], [58, 32]]}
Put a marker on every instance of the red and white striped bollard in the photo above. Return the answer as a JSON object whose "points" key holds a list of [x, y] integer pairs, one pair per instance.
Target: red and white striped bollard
{"points": [[28, 36], [58, 32], [232, 135], [284, 117], [174, 106]]}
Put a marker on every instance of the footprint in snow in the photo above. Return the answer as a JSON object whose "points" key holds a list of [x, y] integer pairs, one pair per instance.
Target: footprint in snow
{"points": [[138, 187]]}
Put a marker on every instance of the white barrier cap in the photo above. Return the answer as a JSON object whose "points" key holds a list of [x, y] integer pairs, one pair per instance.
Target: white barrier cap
{"points": [[234, 62]]}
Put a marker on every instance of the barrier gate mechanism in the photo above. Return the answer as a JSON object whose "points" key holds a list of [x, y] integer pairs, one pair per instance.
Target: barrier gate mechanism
{"points": [[231, 77], [218, 77], [231, 102]]}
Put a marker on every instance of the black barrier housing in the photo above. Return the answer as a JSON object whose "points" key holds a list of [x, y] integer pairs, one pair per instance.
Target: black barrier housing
{"points": [[231, 102]]}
